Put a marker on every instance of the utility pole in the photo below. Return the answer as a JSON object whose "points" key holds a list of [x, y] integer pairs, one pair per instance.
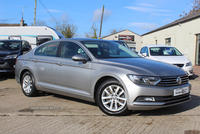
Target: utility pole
{"points": [[101, 22], [35, 12]]}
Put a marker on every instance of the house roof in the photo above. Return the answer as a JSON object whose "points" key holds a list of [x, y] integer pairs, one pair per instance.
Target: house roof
{"points": [[10, 25], [179, 21], [120, 32]]}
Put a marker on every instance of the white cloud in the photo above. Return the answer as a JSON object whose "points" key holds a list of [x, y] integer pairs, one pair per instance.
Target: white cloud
{"points": [[98, 12], [64, 17], [52, 10], [144, 26], [146, 9], [146, 5], [167, 21], [158, 14]]}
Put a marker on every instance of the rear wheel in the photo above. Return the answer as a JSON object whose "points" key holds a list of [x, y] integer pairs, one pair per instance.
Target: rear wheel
{"points": [[111, 98], [28, 85]]}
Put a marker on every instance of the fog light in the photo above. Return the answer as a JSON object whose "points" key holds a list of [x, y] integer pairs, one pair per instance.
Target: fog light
{"points": [[145, 99]]}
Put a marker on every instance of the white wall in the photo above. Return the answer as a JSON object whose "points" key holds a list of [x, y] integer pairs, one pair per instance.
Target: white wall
{"points": [[137, 38], [183, 37]]}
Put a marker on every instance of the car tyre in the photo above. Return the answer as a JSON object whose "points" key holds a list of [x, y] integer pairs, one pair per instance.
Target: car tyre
{"points": [[111, 98], [28, 85]]}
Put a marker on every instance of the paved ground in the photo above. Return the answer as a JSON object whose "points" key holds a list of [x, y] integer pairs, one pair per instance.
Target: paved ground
{"points": [[50, 113]]}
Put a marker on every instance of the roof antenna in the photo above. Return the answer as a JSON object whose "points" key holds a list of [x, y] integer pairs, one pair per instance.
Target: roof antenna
{"points": [[23, 12]]}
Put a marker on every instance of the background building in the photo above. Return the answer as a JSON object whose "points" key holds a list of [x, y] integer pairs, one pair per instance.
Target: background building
{"points": [[132, 39], [183, 34]]}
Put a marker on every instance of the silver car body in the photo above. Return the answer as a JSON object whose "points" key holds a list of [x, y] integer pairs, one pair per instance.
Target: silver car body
{"points": [[81, 80]]}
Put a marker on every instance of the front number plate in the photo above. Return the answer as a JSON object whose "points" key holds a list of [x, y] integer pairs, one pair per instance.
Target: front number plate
{"points": [[180, 91]]}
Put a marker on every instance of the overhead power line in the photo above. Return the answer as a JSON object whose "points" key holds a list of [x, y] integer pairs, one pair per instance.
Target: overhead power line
{"points": [[54, 19]]}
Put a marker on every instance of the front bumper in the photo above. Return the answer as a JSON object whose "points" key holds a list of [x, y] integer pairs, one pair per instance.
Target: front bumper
{"points": [[163, 96], [169, 101], [7, 66]]}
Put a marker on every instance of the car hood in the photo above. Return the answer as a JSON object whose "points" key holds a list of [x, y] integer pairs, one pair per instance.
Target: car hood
{"points": [[171, 59], [5, 53], [141, 66]]}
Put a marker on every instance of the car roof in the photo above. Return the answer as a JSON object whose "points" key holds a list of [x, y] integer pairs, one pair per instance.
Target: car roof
{"points": [[158, 46], [11, 40], [81, 39]]}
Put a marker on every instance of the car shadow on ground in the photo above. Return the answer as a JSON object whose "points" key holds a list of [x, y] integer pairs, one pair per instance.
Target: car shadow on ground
{"points": [[68, 98], [193, 103], [5, 76]]}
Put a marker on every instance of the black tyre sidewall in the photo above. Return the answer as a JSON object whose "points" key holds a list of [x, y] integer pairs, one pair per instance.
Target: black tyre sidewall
{"points": [[34, 91], [99, 101]]}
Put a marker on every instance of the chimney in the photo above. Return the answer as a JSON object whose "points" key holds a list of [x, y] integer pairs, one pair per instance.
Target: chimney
{"points": [[21, 22]]}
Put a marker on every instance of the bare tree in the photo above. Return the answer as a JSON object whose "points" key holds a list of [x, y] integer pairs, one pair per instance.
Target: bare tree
{"points": [[92, 33], [39, 23], [68, 30], [113, 31], [195, 8]]}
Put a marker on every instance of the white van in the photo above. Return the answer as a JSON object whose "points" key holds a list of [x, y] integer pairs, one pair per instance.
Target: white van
{"points": [[35, 35]]}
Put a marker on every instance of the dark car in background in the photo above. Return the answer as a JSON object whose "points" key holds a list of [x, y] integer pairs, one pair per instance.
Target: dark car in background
{"points": [[9, 51]]}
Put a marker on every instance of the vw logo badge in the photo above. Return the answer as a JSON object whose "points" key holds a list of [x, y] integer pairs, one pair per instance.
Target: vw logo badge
{"points": [[178, 80]]}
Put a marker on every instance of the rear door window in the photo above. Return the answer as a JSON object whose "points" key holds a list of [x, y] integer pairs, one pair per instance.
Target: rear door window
{"points": [[49, 49]]}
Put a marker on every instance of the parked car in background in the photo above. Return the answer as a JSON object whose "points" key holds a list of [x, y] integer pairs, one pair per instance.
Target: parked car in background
{"points": [[168, 54], [125, 44], [9, 51], [104, 72], [122, 43]]}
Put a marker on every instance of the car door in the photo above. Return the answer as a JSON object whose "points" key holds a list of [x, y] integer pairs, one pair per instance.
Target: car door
{"points": [[44, 64], [73, 76]]}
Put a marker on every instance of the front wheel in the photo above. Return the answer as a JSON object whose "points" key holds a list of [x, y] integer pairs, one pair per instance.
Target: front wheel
{"points": [[28, 85], [111, 98]]}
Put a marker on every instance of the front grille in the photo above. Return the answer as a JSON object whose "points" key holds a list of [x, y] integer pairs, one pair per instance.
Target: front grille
{"points": [[179, 65], [173, 81]]}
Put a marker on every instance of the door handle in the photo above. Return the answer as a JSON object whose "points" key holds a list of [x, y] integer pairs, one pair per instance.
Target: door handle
{"points": [[34, 60], [59, 63]]}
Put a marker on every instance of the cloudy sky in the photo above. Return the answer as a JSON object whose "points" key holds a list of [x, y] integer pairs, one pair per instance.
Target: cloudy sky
{"points": [[139, 16]]}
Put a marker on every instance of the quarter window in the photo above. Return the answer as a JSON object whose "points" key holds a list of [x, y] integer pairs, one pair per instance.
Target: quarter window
{"points": [[49, 49]]}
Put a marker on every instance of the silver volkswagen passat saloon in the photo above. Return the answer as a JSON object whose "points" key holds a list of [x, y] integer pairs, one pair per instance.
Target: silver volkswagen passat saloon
{"points": [[104, 72]]}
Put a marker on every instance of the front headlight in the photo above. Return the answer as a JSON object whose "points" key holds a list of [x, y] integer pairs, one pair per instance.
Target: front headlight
{"points": [[188, 64], [144, 80], [14, 56]]}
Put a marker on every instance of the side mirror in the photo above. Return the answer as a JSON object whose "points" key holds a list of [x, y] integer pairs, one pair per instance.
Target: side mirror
{"points": [[79, 57], [144, 54]]}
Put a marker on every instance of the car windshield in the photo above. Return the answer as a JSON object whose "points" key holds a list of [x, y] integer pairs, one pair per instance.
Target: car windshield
{"points": [[109, 49], [164, 51], [10, 45]]}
